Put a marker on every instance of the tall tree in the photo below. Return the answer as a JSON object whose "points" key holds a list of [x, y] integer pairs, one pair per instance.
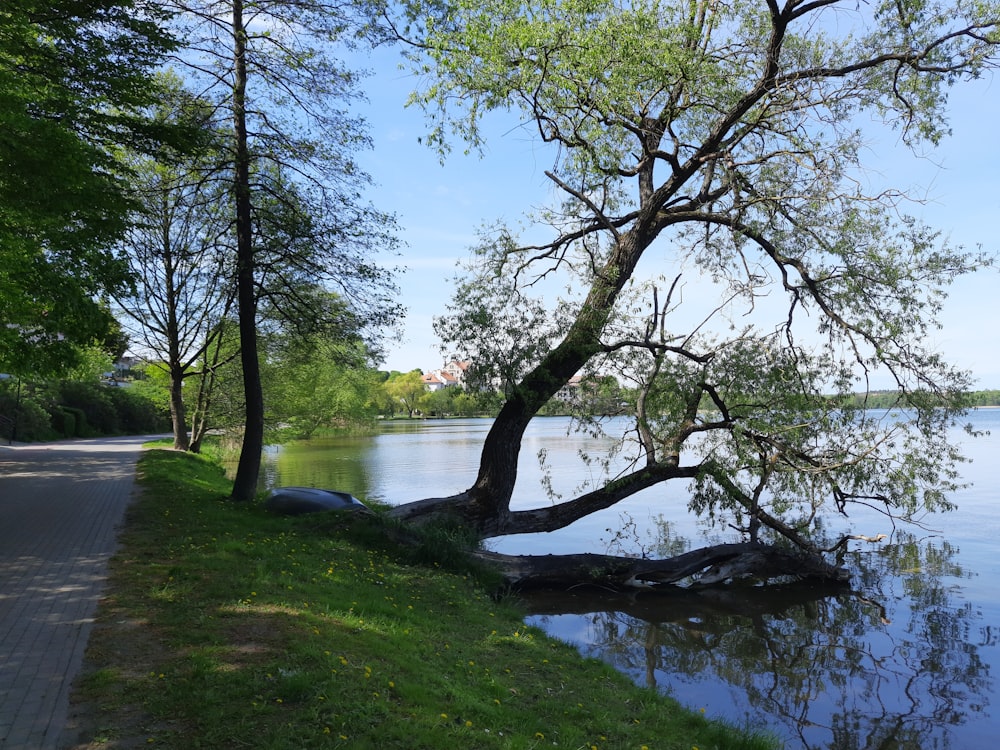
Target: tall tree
{"points": [[76, 77], [406, 389], [716, 146], [179, 253], [271, 67]]}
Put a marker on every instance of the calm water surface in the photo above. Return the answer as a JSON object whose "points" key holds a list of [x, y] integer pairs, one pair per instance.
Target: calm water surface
{"points": [[907, 657]]}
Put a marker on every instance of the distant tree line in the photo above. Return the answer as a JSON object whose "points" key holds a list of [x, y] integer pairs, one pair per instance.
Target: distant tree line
{"points": [[404, 394], [891, 399], [315, 383]]}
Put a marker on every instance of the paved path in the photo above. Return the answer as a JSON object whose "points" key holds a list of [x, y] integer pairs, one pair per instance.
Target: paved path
{"points": [[60, 508]]}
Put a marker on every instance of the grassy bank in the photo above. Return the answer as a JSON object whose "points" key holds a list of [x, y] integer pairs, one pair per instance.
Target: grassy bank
{"points": [[226, 627]]}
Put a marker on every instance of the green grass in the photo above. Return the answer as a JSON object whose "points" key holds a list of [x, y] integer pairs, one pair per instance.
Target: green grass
{"points": [[225, 626]]}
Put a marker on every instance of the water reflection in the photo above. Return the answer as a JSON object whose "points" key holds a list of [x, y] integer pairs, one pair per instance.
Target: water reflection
{"points": [[397, 464], [825, 667], [332, 463], [901, 660]]}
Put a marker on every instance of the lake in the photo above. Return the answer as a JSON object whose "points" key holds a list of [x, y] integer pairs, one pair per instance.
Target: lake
{"points": [[906, 657]]}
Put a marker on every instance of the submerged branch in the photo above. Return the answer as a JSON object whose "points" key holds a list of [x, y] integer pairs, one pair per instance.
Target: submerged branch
{"points": [[709, 565]]}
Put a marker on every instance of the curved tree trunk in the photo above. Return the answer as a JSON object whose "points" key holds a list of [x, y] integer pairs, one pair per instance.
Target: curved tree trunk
{"points": [[485, 507], [709, 565]]}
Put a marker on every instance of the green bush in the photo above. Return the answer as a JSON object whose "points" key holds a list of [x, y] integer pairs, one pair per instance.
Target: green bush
{"points": [[26, 415], [69, 421], [76, 409], [95, 401], [136, 413]]}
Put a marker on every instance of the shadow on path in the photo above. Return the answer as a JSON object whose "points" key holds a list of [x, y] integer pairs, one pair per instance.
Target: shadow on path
{"points": [[61, 505]]}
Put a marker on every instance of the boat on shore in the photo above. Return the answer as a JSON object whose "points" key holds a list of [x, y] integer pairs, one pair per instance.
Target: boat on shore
{"points": [[294, 501]]}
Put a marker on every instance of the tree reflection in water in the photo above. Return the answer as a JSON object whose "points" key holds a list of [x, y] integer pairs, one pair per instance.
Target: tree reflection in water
{"points": [[892, 662]]}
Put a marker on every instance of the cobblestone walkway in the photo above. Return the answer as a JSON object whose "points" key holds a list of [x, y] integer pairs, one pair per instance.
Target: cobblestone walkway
{"points": [[60, 508]]}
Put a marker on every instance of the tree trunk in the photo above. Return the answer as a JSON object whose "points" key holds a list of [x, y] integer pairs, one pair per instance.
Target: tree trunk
{"points": [[709, 565], [485, 507], [178, 418], [199, 417], [178, 415], [212, 359], [248, 469]]}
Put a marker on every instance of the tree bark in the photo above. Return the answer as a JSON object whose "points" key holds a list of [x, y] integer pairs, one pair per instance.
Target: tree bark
{"points": [[709, 565], [178, 415], [248, 469]]}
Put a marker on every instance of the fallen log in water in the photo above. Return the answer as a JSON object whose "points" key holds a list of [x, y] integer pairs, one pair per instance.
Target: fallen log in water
{"points": [[707, 565]]}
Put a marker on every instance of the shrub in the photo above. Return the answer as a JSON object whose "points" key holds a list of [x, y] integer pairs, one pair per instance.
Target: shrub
{"points": [[67, 422], [25, 415], [136, 413], [94, 400]]}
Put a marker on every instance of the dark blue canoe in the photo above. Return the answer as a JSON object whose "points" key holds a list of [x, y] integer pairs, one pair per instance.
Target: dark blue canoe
{"points": [[293, 501]]}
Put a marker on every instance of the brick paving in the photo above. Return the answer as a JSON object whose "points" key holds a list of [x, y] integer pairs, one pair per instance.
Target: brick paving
{"points": [[61, 505]]}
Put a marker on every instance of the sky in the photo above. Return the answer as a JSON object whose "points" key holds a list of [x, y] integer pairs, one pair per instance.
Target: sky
{"points": [[440, 207]]}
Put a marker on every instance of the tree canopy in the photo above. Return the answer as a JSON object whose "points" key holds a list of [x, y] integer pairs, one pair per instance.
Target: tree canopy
{"points": [[321, 376], [75, 79], [723, 248]]}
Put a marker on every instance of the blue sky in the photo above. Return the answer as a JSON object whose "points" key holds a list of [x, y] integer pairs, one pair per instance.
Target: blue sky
{"points": [[439, 208]]}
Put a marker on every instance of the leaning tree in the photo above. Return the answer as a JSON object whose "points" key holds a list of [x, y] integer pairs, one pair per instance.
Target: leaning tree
{"points": [[725, 252]]}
